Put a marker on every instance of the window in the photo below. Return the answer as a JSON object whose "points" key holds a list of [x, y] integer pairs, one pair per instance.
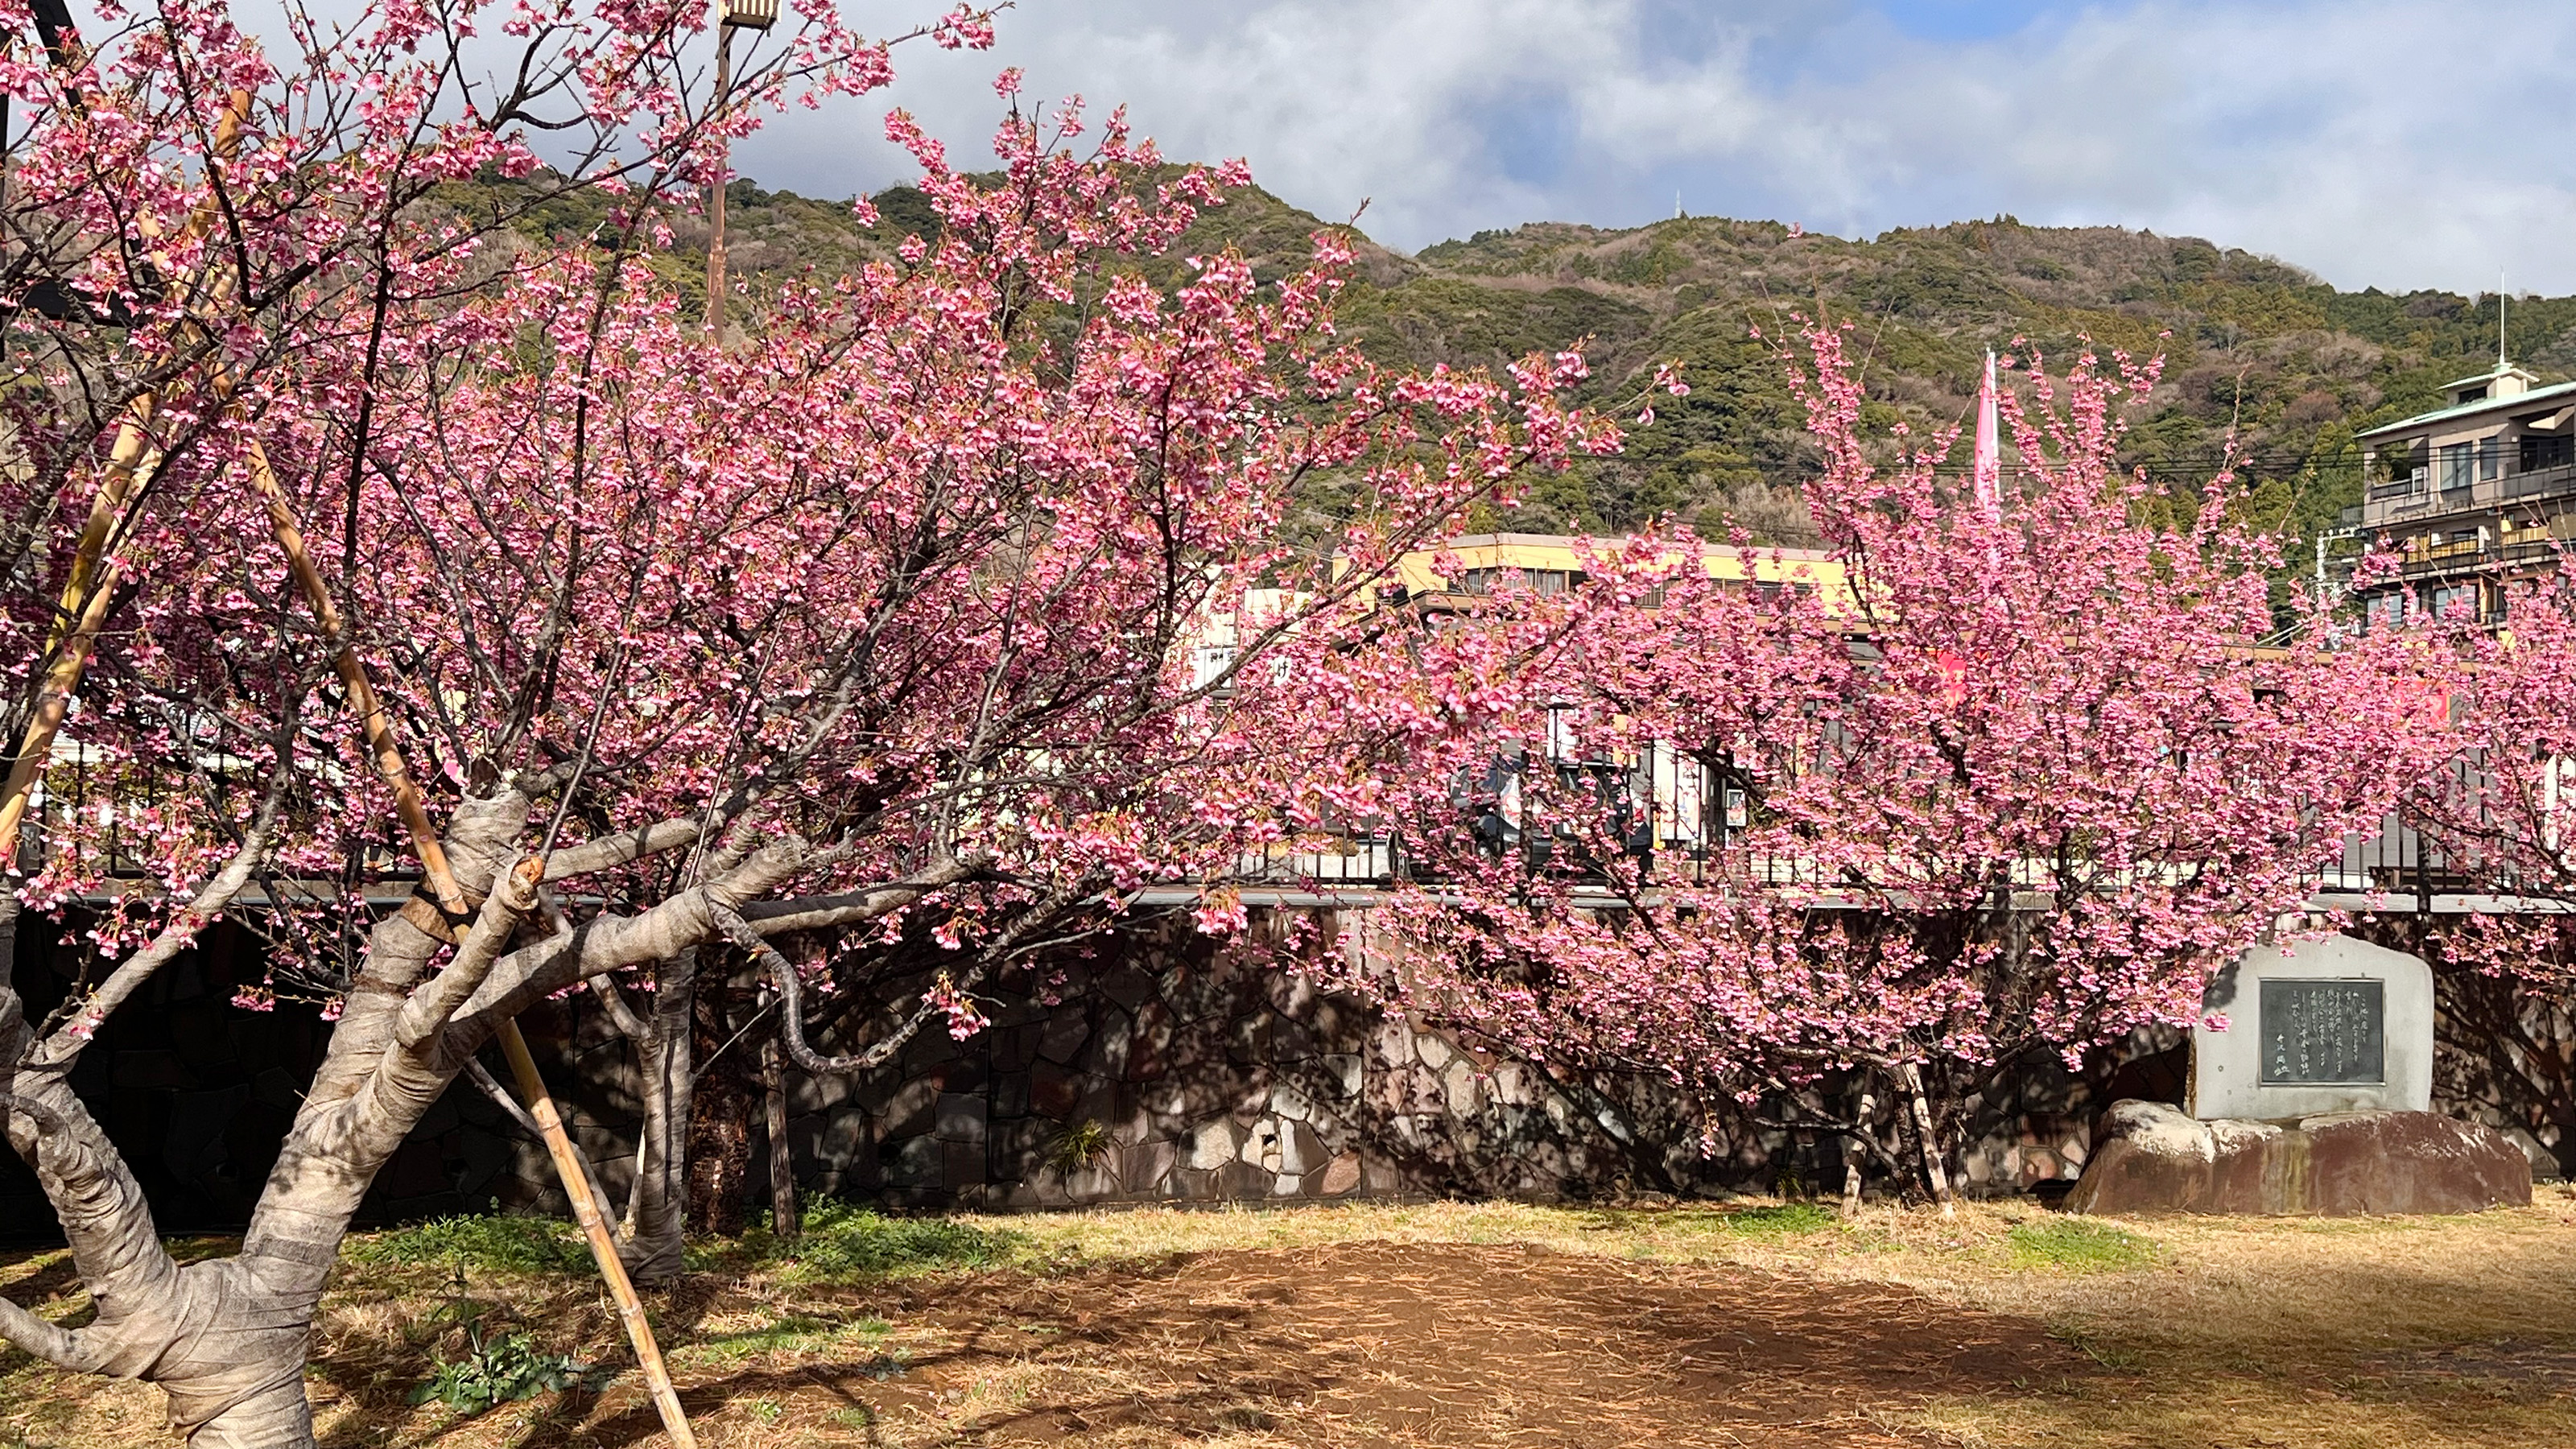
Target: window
{"points": [[2547, 450], [2445, 598], [1207, 662], [2458, 466], [2491, 458], [1560, 734], [2384, 612], [2472, 394], [1544, 581]]}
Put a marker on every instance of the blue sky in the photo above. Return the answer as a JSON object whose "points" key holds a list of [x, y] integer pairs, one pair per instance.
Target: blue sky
{"points": [[2372, 142]]}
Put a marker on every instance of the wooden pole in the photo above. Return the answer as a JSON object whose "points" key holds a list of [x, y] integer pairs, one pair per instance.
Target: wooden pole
{"points": [[386, 745], [783, 1221], [82, 609], [716, 193], [594, 1227]]}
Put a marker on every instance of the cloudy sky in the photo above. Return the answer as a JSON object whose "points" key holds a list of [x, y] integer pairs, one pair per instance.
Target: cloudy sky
{"points": [[2390, 144]]}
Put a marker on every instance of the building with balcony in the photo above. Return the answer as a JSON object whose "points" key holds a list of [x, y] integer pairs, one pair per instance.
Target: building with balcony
{"points": [[2472, 494]]}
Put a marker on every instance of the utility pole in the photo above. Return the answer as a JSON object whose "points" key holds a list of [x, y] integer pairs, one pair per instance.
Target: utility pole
{"points": [[731, 15]]}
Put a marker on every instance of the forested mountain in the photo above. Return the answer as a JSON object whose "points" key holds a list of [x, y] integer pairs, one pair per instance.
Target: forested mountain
{"points": [[2253, 346]]}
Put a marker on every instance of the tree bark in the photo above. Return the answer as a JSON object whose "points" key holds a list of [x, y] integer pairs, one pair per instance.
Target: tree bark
{"points": [[1852, 1172], [782, 1160], [1910, 1076], [661, 1215], [719, 1123]]}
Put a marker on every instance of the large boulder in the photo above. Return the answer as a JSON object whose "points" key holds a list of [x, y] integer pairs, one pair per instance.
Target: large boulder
{"points": [[2151, 1158]]}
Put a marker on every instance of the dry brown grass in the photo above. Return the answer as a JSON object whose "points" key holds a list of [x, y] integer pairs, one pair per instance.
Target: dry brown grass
{"points": [[1490, 1324]]}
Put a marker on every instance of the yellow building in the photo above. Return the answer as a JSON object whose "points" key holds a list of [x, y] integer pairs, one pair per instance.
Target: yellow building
{"points": [[1551, 563]]}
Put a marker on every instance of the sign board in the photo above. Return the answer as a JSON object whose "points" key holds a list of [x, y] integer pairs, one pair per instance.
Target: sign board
{"points": [[2318, 1033]]}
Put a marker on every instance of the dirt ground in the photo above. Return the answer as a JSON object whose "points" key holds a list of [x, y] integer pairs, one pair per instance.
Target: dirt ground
{"points": [[1457, 1325]]}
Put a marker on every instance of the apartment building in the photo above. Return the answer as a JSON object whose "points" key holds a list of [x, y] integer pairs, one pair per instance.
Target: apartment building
{"points": [[2473, 494]]}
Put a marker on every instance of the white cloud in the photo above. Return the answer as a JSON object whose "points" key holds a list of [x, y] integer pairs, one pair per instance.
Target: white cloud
{"points": [[2396, 144]]}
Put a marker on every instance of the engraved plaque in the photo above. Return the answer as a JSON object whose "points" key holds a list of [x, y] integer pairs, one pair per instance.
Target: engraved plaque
{"points": [[2324, 1032]]}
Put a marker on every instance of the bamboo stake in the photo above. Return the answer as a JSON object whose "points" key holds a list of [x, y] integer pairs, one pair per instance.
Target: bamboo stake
{"points": [[81, 611], [84, 608], [378, 729], [594, 1226]]}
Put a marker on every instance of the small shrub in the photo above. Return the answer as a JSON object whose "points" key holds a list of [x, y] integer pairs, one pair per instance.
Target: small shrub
{"points": [[497, 1371], [490, 1243], [842, 1241], [2078, 1245], [1081, 1147]]}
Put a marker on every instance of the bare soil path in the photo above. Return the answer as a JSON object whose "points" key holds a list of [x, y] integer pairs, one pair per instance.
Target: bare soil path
{"points": [[1450, 1326], [1445, 1345]]}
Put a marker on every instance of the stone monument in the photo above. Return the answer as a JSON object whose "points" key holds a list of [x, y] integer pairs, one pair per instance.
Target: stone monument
{"points": [[2336, 1025], [2310, 1090]]}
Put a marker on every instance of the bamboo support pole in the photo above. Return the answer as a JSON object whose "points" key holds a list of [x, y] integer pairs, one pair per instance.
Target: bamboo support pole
{"points": [[594, 1227], [386, 746], [83, 612], [82, 608]]}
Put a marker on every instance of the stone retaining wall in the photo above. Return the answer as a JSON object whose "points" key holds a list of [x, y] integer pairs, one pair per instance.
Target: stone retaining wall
{"points": [[1205, 1079]]}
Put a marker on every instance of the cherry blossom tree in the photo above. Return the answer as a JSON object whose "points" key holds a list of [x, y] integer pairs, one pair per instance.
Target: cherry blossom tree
{"points": [[875, 625], [2494, 823], [2014, 779]]}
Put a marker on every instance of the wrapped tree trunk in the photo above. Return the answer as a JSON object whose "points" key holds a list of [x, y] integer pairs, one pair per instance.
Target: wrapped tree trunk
{"points": [[718, 1167], [1935, 1177], [1852, 1171], [659, 1205], [782, 1160]]}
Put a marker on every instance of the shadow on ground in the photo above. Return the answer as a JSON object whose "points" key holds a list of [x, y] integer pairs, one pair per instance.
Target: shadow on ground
{"points": [[1389, 1344]]}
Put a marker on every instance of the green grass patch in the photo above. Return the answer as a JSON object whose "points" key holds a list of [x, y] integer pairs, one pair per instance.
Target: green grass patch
{"points": [[1780, 1221], [841, 1241], [2078, 1245], [794, 1333], [478, 1243]]}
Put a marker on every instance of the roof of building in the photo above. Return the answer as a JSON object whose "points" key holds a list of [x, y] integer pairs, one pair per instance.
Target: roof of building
{"points": [[2516, 402], [2501, 369]]}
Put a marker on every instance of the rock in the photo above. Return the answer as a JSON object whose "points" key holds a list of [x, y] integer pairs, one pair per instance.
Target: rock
{"points": [[960, 1118], [909, 1111], [1286, 1101], [2149, 1157], [1242, 1179], [1150, 1055], [1435, 1052], [1143, 1166], [1459, 1091], [1063, 1038], [1215, 1144], [2037, 1165], [1301, 1150], [1053, 1092], [1345, 1068], [1340, 1175], [1265, 1146]]}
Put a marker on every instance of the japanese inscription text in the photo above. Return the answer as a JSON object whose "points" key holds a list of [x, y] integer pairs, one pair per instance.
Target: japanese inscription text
{"points": [[2324, 1032]]}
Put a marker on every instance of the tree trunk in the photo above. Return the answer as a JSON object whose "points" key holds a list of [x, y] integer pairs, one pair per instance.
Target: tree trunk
{"points": [[277, 1419], [1852, 1160], [667, 1060], [720, 1116], [782, 1160], [1910, 1076]]}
